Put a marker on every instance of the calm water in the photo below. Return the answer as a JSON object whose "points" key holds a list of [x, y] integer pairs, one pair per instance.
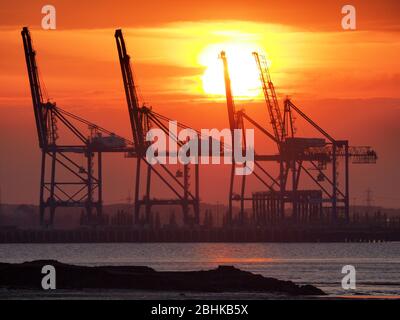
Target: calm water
{"points": [[320, 264]]}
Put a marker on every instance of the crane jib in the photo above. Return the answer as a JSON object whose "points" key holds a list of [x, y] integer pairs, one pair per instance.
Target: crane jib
{"points": [[130, 92]]}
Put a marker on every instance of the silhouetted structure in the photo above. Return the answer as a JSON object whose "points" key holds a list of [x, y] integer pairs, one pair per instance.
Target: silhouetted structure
{"points": [[297, 157], [142, 119], [68, 183]]}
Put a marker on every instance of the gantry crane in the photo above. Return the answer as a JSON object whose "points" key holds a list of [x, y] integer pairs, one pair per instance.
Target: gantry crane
{"points": [[142, 118], [68, 183], [318, 152], [293, 155]]}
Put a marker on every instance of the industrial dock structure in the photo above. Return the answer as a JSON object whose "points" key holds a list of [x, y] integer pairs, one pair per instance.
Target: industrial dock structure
{"points": [[308, 200]]}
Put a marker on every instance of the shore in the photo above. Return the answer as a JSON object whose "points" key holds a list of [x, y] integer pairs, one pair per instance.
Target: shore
{"points": [[141, 281], [184, 235]]}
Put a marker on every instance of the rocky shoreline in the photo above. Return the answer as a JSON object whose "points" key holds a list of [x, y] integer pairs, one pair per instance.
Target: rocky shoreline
{"points": [[28, 275]]}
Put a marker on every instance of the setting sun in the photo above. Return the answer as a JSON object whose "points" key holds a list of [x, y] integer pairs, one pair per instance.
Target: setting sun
{"points": [[242, 68]]}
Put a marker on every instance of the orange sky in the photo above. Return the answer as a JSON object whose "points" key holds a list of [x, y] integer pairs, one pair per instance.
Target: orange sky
{"points": [[347, 80]]}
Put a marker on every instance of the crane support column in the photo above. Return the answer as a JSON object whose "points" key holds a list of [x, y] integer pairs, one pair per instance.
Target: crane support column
{"points": [[334, 183], [347, 183]]}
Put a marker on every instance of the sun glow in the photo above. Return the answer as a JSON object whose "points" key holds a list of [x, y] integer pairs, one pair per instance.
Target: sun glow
{"points": [[242, 69]]}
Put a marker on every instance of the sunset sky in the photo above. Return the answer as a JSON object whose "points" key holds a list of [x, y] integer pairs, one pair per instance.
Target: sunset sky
{"points": [[348, 81]]}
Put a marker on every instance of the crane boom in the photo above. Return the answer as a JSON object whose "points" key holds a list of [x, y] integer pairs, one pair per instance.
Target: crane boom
{"points": [[270, 98], [228, 91], [42, 110], [130, 92]]}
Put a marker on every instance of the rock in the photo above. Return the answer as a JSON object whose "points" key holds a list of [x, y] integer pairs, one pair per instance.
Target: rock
{"points": [[28, 275]]}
